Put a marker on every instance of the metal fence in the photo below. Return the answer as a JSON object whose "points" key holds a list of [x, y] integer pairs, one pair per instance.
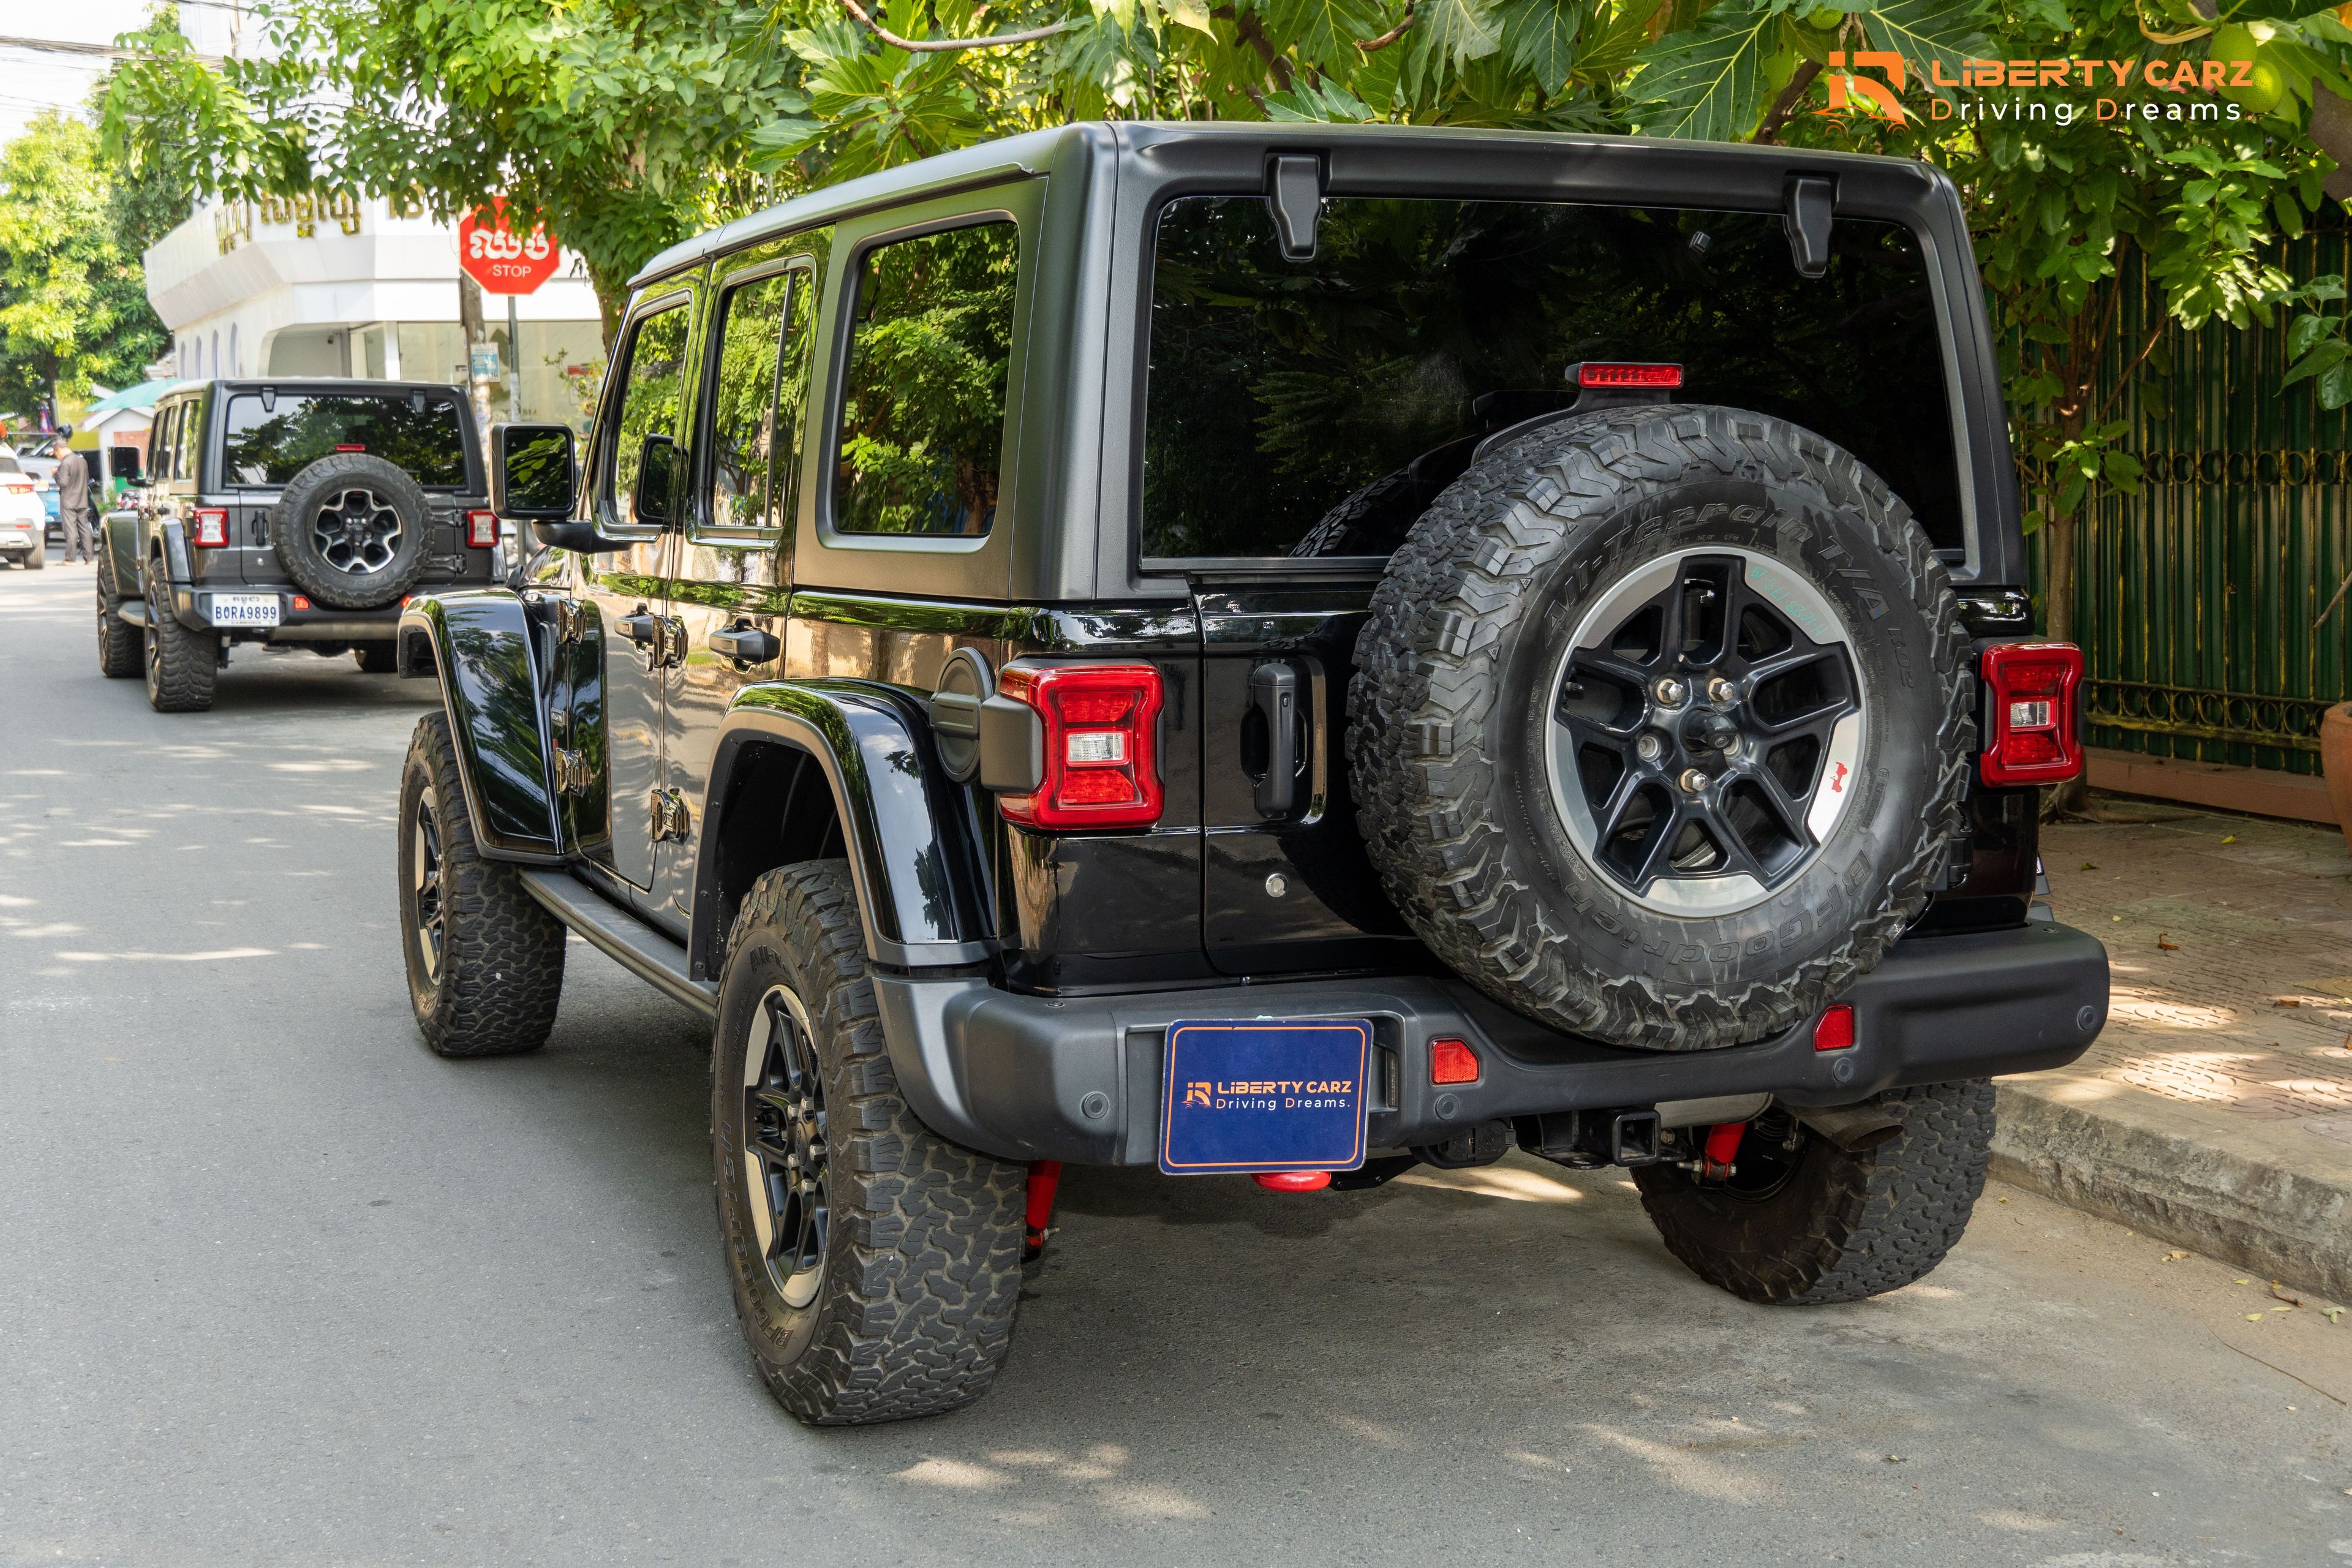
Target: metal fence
{"points": [[2195, 600]]}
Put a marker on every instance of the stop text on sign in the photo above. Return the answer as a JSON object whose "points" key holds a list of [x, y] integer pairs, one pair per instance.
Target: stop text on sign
{"points": [[502, 261]]}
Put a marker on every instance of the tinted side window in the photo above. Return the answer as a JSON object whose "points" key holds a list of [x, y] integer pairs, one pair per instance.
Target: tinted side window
{"points": [[167, 440], [273, 436], [1317, 408], [922, 410], [651, 389], [750, 438]]}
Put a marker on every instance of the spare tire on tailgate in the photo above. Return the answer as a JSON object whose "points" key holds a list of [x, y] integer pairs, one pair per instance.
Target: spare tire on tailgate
{"points": [[1663, 724], [352, 531]]}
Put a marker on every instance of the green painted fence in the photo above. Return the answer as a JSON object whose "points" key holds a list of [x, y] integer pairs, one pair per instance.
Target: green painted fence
{"points": [[2195, 600]]}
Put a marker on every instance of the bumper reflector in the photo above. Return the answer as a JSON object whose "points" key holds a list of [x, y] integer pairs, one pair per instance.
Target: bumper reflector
{"points": [[1292, 1181], [1835, 1031], [1451, 1062]]}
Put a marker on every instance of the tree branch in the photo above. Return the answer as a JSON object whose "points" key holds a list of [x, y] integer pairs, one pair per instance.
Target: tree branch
{"points": [[943, 45], [1784, 107], [1250, 31], [2155, 336], [1391, 35]]}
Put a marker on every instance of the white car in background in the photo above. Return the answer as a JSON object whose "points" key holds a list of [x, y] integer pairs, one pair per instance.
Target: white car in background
{"points": [[24, 522]]}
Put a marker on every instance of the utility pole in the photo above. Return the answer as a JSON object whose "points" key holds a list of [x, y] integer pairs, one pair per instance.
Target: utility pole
{"points": [[469, 322], [514, 361]]}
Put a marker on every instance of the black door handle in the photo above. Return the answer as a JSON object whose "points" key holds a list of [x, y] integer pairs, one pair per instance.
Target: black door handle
{"points": [[1273, 697], [745, 643]]}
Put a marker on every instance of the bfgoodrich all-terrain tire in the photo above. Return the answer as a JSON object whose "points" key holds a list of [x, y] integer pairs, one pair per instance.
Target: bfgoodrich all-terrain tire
{"points": [[876, 1267], [118, 641], [1815, 1223], [352, 531], [485, 960], [1663, 725], [183, 666]]}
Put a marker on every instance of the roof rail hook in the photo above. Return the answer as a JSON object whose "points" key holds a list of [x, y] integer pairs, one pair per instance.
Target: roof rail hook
{"points": [[1294, 190], [1806, 220]]}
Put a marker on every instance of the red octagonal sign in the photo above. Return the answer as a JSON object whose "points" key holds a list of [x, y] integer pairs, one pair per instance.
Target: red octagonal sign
{"points": [[500, 261]]}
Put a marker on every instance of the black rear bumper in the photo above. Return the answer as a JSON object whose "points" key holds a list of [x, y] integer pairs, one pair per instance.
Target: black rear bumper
{"points": [[1078, 1079]]}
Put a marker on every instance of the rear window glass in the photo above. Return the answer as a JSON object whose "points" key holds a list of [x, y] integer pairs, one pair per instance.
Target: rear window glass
{"points": [[922, 405], [1288, 401], [272, 439], [9, 464]]}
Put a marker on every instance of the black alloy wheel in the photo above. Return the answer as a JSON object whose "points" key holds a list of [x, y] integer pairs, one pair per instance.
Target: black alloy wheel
{"points": [[785, 1148], [1707, 722]]}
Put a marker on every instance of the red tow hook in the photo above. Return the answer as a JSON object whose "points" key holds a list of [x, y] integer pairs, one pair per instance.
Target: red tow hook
{"points": [[1044, 1180], [1292, 1181], [1722, 1148]]}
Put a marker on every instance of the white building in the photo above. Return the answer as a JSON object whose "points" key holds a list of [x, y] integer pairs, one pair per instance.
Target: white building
{"points": [[323, 285]]}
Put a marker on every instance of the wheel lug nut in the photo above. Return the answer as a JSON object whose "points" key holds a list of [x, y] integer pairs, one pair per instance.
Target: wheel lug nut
{"points": [[1671, 693], [1648, 747], [1693, 781], [1722, 691]]}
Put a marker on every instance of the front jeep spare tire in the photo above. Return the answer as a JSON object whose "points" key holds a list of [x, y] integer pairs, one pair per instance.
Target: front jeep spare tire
{"points": [[1663, 725], [351, 529]]}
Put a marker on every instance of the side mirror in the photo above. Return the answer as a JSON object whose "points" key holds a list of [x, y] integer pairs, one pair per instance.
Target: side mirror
{"points": [[122, 463], [531, 472], [653, 504]]}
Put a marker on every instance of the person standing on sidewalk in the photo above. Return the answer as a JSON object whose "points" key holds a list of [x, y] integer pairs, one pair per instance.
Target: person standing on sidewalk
{"points": [[73, 504]]}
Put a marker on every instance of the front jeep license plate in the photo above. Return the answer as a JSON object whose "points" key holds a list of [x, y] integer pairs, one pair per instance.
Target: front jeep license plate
{"points": [[1249, 1095], [245, 609]]}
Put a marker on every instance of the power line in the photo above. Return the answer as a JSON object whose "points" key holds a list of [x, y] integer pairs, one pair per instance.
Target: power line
{"points": [[71, 46]]}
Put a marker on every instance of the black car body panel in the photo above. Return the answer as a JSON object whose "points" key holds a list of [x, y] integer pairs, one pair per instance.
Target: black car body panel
{"points": [[483, 648], [1023, 973]]}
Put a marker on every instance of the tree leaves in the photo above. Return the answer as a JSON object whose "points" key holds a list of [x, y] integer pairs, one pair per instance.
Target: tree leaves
{"points": [[1707, 84], [1540, 37]]}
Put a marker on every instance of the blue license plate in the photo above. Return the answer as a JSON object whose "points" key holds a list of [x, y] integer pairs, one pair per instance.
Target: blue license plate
{"points": [[1261, 1095]]}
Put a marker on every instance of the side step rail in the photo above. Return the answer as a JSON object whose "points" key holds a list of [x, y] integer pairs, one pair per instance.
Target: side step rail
{"points": [[624, 938]]}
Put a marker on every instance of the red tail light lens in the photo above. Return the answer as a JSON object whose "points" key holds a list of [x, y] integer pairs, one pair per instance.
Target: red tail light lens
{"points": [[1102, 745], [481, 528], [1835, 1031], [212, 528], [2030, 688], [1602, 373]]}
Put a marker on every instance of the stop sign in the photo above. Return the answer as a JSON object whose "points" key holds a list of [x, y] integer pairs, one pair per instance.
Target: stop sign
{"points": [[500, 261]]}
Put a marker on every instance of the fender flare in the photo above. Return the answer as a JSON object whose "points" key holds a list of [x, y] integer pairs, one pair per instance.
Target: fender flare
{"points": [[912, 835], [490, 676], [120, 531]]}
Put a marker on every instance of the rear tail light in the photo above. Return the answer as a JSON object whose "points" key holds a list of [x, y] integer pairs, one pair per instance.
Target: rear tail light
{"points": [[481, 528], [212, 528], [1613, 373], [16, 482], [2031, 738], [1102, 745], [1835, 1031]]}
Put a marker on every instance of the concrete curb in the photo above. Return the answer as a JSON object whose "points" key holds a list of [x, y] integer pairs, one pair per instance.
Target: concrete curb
{"points": [[2169, 1173]]}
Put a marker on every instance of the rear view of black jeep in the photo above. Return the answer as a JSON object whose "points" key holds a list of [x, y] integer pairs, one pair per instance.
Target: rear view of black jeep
{"points": [[290, 513], [1293, 653]]}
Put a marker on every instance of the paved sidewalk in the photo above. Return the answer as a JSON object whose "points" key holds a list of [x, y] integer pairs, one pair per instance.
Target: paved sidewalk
{"points": [[2216, 1109]]}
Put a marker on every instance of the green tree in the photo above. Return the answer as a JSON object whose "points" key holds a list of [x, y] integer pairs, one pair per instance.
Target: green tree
{"points": [[621, 123], [73, 297]]}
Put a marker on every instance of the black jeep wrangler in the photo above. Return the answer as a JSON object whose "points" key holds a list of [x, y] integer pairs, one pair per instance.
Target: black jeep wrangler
{"points": [[292, 513], [1290, 651]]}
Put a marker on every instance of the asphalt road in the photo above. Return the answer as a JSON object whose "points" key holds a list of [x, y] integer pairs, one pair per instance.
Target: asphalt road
{"points": [[276, 1286]]}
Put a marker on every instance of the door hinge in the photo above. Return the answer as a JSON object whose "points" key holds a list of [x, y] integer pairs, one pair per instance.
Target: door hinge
{"points": [[571, 772], [571, 623], [670, 819]]}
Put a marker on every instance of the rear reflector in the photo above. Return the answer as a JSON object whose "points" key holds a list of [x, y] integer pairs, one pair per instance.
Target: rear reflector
{"points": [[2030, 689], [481, 528], [1835, 1031], [1292, 1181], [1604, 373], [212, 528], [1451, 1062], [1102, 737], [303, 603], [349, 447]]}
